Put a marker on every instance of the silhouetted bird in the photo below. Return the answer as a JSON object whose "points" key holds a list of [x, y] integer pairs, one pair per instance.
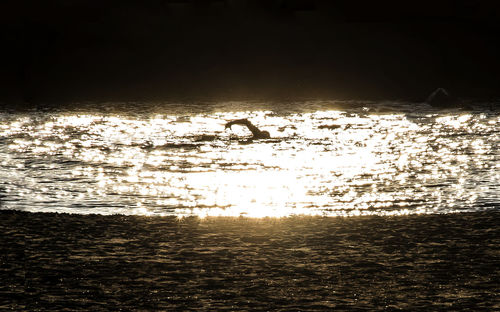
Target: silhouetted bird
{"points": [[257, 134]]}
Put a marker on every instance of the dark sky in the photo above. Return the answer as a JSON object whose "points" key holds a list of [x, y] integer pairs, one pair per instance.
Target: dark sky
{"points": [[72, 50]]}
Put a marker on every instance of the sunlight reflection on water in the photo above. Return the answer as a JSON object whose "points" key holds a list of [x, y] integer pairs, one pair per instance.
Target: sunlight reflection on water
{"points": [[322, 160]]}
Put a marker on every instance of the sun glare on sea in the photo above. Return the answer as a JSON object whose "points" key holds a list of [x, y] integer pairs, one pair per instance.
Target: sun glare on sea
{"points": [[325, 162]]}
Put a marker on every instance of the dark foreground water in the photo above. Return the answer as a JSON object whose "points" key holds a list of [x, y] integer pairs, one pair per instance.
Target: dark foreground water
{"points": [[68, 262], [324, 158]]}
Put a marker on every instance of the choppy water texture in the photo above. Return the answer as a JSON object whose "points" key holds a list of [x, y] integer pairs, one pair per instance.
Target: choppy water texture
{"points": [[325, 158]]}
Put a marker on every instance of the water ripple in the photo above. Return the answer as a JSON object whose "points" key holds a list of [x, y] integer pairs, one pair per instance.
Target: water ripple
{"points": [[325, 158]]}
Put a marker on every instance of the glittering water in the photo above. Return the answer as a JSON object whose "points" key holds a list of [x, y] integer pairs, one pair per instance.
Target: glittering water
{"points": [[325, 158]]}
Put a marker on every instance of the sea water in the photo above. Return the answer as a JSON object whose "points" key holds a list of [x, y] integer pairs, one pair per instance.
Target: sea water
{"points": [[326, 158]]}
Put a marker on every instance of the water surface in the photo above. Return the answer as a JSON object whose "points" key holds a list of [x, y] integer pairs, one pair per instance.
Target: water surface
{"points": [[325, 158]]}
